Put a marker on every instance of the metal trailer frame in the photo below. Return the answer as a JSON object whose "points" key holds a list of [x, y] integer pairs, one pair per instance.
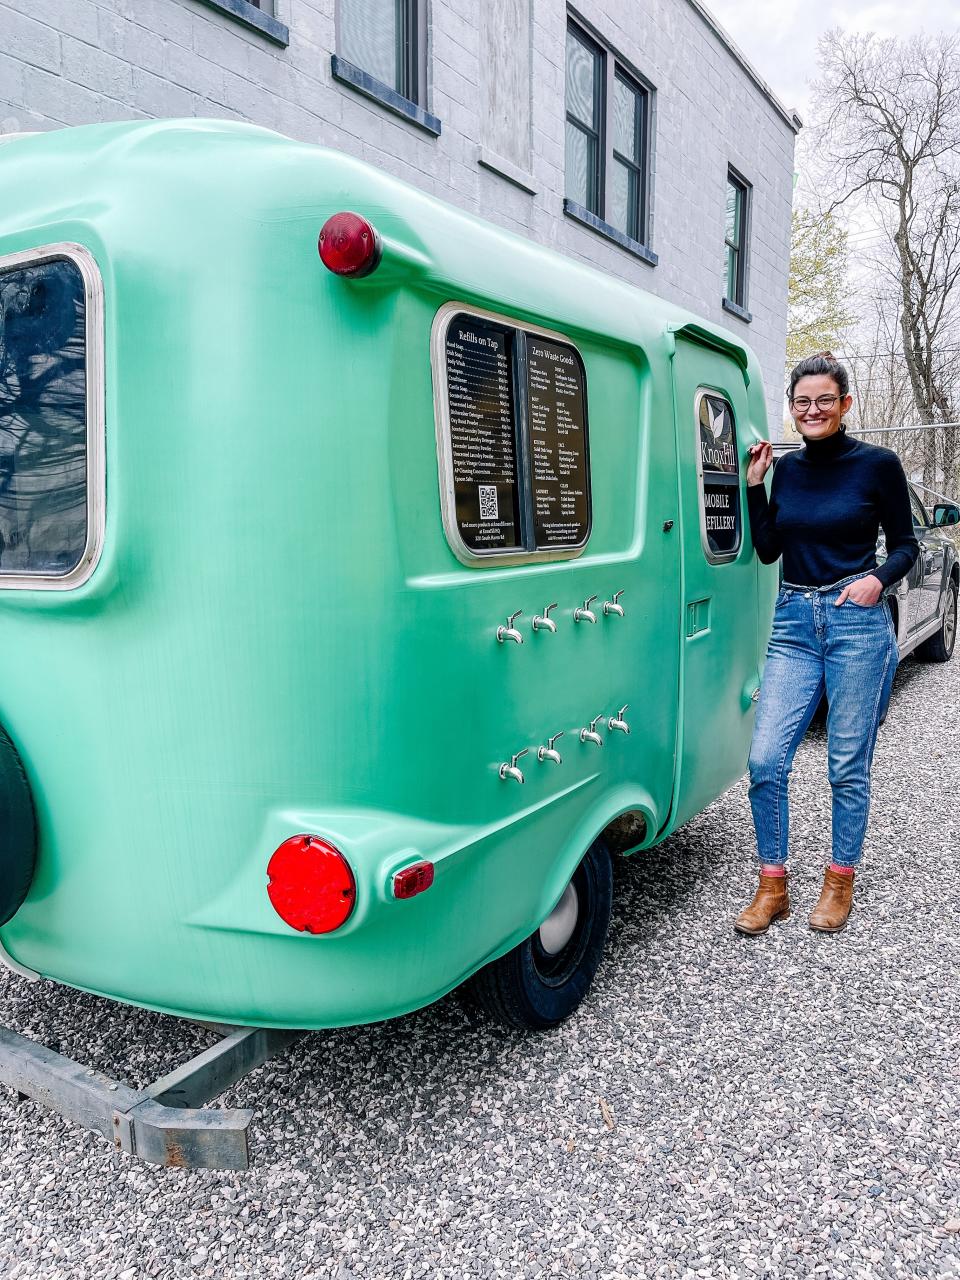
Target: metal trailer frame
{"points": [[166, 1122]]}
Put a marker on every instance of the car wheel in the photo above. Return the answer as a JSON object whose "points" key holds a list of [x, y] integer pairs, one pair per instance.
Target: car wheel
{"points": [[543, 980], [939, 647]]}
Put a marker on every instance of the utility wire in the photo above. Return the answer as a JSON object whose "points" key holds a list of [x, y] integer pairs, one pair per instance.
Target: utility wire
{"points": [[889, 431], [893, 355]]}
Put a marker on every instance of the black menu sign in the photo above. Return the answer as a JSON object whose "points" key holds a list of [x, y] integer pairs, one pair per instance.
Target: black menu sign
{"points": [[483, 442], [558, 444], [721, 475]]}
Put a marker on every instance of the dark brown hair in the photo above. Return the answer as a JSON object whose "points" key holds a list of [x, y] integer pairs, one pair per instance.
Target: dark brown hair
{"points": [[823, 364]]}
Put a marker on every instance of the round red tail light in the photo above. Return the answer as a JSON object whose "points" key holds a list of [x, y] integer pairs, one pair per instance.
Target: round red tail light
{"points": [[311, 885], [350, 246]]}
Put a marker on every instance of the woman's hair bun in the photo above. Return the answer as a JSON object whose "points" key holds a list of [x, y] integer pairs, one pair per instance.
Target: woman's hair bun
{"points": [[822, 364]]}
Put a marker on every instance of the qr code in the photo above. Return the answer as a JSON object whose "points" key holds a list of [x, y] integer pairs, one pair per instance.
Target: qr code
{"points": [[488, 502]]}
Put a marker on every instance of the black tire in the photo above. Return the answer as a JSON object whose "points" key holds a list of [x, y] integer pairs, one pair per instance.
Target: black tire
{"points": [[939, 647], [18, 831], [535, 990]]}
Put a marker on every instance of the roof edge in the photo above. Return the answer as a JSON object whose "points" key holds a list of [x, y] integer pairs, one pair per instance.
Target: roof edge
{"points": [[786, 113]]}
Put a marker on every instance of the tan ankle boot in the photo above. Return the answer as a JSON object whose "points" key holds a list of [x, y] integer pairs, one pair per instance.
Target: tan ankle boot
{"points": [[770, 902], [836, 899]]}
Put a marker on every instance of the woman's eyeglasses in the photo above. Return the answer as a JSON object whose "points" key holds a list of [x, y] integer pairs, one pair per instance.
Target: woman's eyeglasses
{"points": [[803, 403]]}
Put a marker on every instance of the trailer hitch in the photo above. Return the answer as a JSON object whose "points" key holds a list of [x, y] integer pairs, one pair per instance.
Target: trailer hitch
{"points": [[166, 1123]]}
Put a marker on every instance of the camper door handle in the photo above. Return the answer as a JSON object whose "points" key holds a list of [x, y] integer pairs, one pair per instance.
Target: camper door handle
{"points": [[591, 735], [583, 612], [617, 722], [548, 753], [613, 606], [543, 621], [510, 770], [509, 632]]}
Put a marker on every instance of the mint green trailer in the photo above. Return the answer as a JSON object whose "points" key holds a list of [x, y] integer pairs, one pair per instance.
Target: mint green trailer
{"points": [[266, 610]]}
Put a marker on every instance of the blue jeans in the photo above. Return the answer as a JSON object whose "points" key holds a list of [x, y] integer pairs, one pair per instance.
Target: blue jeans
{"points": [[851, 653]]}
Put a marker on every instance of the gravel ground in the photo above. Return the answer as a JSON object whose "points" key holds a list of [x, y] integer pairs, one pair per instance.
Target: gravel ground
{"points": [[719, 1107]]}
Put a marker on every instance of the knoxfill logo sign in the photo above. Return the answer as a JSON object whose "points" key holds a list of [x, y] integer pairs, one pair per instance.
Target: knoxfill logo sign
{"points": [[721, 476]]}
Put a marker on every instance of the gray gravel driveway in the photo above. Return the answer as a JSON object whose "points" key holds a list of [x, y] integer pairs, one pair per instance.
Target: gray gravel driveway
{"points": [[721, 1106]]}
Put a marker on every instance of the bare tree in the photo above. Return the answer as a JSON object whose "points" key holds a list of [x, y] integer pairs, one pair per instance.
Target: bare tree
{"points": [[888, 133]]}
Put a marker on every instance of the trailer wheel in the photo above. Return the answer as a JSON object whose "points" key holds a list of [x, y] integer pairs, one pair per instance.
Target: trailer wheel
{"points": [[543, 980], [18, 831]]}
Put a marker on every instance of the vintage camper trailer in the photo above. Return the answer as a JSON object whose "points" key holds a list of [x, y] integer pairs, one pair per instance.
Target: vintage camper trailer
{"points": [[347, 598]]}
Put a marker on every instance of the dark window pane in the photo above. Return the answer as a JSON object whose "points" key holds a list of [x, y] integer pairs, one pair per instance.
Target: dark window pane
{"points": [[623, 198], [626, 120], [581, 168], [43, 419], [369, 37], [734, 203], [731, 264], [583, 72]]}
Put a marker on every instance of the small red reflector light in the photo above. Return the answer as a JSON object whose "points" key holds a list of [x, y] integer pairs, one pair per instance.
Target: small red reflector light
{"points": [[311, 885], [350, 246], [413, 880]]}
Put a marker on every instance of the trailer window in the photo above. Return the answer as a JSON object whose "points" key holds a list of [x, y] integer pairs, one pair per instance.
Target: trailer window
{"points": [[512, 439], [49, 518], [719, 470]]}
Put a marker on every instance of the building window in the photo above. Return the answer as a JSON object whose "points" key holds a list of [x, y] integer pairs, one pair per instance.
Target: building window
{"points": [[384, 39], [737, 232], [607, 149], [584, 119], [258, 15]]}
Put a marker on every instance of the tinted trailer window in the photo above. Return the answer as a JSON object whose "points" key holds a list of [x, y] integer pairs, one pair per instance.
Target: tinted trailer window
{"points": [[50, 484]]}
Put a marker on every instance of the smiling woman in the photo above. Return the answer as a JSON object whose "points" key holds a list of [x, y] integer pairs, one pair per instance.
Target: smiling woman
{"points": [[832, 630]]}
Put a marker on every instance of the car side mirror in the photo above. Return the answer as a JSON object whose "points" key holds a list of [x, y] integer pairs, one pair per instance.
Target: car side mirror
{"points": [[946, 513]]}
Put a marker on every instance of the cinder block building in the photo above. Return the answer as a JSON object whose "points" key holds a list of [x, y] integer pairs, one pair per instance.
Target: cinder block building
{"points": [[628, 133]]}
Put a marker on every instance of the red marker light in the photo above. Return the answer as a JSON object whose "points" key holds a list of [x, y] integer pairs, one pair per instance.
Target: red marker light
{"points": [[311, 885], [413, 880], [350, 246]]}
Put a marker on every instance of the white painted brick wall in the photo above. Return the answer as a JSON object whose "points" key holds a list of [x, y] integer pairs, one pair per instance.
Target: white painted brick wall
{"points": [[82, 61]]}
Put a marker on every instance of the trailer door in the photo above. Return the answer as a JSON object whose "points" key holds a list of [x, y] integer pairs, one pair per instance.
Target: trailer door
{"points": [[557, 469], [719, 632]]}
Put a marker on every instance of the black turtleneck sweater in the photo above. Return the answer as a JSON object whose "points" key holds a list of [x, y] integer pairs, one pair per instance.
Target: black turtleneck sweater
{"points": [[827, 504]]}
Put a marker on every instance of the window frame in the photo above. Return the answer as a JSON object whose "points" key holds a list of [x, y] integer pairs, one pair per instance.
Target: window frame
{"points": [[613, 66], [410, 53], [253, 15], [598, 176], [741, 248], [915, 502], [86, 264], [639, 169], [441, 414], [713, 557]]}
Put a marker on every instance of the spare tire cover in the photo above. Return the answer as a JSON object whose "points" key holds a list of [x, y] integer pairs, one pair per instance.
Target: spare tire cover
{"points": [[18, 831]]}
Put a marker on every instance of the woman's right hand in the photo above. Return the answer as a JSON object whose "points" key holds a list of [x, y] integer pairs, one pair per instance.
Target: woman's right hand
{"points": [[761, 456]]}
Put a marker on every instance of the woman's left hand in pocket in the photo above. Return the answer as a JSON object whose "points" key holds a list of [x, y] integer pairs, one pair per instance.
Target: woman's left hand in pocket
{"points": [[862, 591]]}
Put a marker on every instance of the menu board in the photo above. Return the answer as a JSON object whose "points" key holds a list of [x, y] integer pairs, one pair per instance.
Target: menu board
{"points": [[721, 475], [558, 444], [483, 442]]}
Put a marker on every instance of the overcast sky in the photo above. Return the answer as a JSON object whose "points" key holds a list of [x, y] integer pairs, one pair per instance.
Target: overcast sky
{"points": [[779, 37]]}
